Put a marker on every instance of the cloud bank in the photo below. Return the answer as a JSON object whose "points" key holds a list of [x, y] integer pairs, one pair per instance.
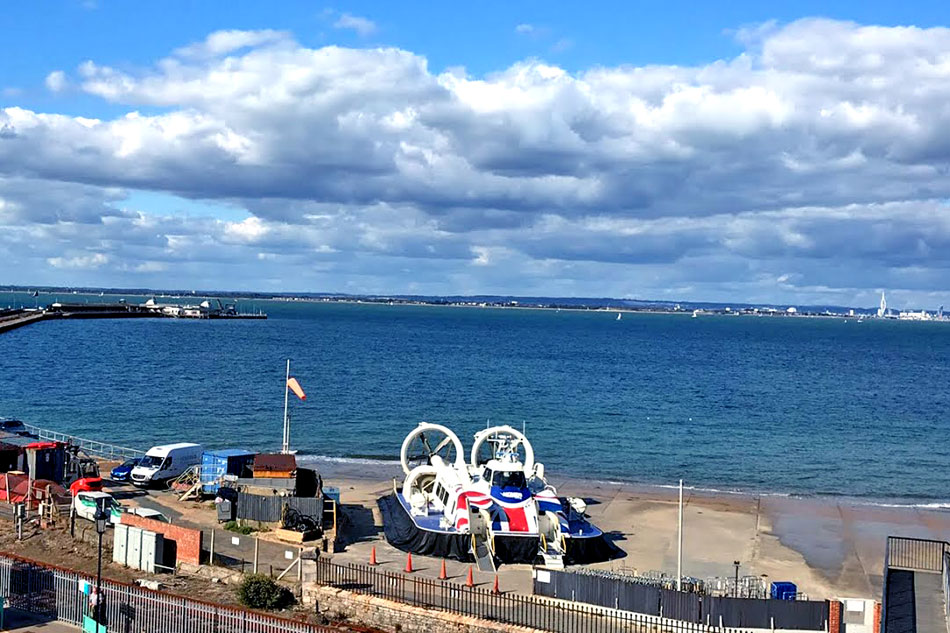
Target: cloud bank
{"points": [[811, 168]]}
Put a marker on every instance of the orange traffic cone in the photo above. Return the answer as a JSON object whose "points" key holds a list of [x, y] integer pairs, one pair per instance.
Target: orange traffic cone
{"points": [[494, 588], [469, 581], [409, 563], [442, 574], [372, 556]]}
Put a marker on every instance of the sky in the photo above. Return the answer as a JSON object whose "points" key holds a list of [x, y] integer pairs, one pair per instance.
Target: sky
{"points": [[784, 152]]}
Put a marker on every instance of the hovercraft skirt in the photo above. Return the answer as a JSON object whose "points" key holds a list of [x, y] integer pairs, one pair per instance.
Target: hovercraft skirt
{"points": [[402, 533]]}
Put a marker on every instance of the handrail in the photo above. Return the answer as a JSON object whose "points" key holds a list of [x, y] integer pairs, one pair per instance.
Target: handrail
{"points": [[915, 554], [94, 448]]}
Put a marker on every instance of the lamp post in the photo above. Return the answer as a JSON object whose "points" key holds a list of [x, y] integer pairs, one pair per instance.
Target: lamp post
{"points": [[102, 522], [736, 563]]}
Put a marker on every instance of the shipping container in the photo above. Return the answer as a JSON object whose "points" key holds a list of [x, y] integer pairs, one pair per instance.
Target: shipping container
{"points": [[216, 464]]}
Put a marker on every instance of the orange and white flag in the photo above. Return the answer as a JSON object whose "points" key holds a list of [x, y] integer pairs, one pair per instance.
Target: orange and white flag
{"points": [[294, 386]]}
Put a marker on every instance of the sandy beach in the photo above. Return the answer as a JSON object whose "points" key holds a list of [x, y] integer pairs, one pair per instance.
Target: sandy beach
{"points": [[829, 547]]}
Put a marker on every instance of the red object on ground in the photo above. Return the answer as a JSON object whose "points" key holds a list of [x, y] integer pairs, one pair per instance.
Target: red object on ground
{"points": [[442, 574], [409, 569], [494, 588], [469, 581], [372, 556], [87, 484]]}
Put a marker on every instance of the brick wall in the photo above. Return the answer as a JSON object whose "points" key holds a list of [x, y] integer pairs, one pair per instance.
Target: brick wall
{"points": [[834, 617], [187, 541], [877, 617]]}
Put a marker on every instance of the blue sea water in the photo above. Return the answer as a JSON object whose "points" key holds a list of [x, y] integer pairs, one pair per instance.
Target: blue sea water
{"points": [[784, 405]]}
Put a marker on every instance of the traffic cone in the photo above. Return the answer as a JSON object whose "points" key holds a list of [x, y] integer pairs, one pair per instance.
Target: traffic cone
{"points": [[372, 556], [409, 563], [494, 588], [442, 574], [469, 581]]}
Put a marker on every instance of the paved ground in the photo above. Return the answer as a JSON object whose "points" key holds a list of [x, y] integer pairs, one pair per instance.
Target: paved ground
{"points": [[15, 620], [928, 593]]}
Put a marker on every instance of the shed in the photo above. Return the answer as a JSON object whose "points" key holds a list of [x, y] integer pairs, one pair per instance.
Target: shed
{"points": [[217, 464], [275, 466]]}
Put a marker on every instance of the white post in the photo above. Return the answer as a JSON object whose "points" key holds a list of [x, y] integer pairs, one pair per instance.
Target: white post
{"points": [[286, 443], [679, 552]]}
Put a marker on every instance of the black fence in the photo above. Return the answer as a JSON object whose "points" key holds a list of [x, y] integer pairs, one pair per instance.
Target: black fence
{"points": [[915, 554], [64, 595], [617, 593], [516, 609], [269, 507]]}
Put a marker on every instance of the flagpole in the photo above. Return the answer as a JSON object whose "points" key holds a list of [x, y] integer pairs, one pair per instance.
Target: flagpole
{"points": [[286, 447], [679, 549]]}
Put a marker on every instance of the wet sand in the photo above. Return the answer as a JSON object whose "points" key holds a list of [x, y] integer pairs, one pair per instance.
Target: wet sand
{"points": [[829, 547]]}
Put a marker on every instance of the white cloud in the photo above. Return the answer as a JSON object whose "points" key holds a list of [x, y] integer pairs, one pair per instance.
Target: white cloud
{"points": [[525, 29], [364, 27], [94, 260], [805, 158], [56, 81], [225, 42]]}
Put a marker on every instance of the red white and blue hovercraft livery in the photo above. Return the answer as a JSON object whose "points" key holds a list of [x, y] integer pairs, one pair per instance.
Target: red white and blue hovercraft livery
{"points": [[497, 508]]}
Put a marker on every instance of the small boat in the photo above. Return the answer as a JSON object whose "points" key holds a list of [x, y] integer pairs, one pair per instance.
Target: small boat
{"points": [[695, 313], [496, 508], [618, 316]]}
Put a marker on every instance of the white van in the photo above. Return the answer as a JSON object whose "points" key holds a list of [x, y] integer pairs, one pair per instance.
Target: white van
{"points": [[164, 463]]}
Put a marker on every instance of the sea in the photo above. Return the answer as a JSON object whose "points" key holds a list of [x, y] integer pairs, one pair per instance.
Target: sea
{"points": [[765, 405]]}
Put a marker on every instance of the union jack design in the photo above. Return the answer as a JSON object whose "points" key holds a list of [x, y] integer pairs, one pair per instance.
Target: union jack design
{"points": [[469, 497], [548, 501]]}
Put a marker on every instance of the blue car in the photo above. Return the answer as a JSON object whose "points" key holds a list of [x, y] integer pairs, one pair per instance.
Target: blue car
{"points": [[124, 470]]}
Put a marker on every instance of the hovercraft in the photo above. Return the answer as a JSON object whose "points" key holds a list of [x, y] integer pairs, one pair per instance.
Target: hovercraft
{"points": [[496, 508]]}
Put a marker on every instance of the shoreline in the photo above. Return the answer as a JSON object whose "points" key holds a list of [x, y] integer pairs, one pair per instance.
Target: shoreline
{"points": [[368, 469], [830, 548]]}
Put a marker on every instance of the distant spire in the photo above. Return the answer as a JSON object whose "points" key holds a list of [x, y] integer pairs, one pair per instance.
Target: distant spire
{"points": [[883, 309]]}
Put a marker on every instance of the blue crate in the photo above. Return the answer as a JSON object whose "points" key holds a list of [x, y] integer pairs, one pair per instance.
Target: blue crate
{"points": [[783, 590]]}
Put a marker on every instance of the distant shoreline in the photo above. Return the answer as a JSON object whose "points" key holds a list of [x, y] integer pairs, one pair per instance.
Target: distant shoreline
{"points": [[647, 308]]}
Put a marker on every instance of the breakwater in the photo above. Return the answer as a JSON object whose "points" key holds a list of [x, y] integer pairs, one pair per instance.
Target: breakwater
{"points": [[15, 318]]}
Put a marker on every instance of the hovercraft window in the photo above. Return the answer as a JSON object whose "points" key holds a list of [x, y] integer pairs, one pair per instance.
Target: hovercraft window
{"points": [[442, 494], [504, 479]]}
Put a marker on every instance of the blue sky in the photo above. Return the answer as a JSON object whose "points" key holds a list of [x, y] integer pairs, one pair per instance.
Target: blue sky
{"points": [[480, 36], [709, 151]]}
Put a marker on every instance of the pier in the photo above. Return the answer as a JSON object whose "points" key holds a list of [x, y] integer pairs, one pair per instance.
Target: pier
{"points": [[12, 319], [15, 318]]}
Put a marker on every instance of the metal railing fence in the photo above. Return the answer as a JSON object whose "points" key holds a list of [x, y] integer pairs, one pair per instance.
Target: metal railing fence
{"points": [[916, 554], [59, 594], [946, 588], [94, 448], [617, 592], [509, 608]]}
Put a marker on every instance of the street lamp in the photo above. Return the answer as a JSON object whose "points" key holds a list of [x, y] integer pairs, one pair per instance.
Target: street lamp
{"points": [[736, 563], [102, 522]]}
